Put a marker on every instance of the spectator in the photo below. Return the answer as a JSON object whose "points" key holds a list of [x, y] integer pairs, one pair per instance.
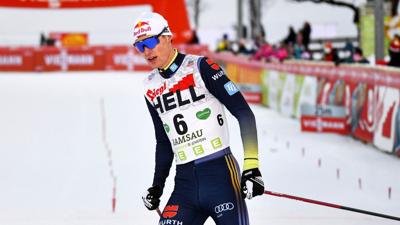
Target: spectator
{"points": [[42, 39], [245, 47], [358, 56], [281, 53], [195, 38], [348, 52], [291, 37], [298, 48], [331, 53], [394, 51], [306, 32], [264, 53], [224, 44]]}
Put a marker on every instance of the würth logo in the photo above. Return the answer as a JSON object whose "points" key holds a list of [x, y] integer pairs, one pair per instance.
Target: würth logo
{"points": [[170, 211]]}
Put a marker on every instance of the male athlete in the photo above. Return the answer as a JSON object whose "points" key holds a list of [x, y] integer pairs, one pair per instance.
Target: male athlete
{"points": [[186, 95]]}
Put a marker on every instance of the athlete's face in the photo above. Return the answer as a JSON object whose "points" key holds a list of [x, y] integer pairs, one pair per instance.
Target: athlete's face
{"points": [[161, 54]]}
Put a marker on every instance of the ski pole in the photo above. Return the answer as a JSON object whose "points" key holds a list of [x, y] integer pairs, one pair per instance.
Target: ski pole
{"points": [[158, 211], [331, 205]]}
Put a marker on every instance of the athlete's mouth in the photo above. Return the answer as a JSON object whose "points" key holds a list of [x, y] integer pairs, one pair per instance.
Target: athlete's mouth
{"points": [[151, 59]]}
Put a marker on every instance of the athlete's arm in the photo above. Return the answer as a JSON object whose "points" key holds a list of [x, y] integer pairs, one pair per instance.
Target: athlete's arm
{"points": [[227, 93], [164, 154]]}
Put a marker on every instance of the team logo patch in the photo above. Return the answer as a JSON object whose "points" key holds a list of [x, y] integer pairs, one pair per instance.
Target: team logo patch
{"points": [[141, 28], [170, 211], [231, 88], [166, 127], [224, 207], [216, 143], [173, 67], [204, 114], [213, 64], [156, 92]]}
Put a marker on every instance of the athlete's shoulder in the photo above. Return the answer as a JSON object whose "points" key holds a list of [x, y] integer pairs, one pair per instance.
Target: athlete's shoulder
{"points": [[150, 77], [210, 69]]}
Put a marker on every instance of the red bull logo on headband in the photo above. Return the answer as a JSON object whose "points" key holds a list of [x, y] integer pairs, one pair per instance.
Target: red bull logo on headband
{"points": [[141, 27]]}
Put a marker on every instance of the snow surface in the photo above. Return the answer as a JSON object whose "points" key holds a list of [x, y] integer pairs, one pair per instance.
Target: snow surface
{"points": [[54, 166]]}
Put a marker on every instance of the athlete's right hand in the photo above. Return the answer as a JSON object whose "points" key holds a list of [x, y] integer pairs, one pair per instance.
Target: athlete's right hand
{"points": [[151, 198]]}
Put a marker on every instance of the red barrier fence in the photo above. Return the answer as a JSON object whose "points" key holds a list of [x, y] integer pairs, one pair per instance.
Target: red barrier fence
{"points": [[375, 75], [92, 58], [17, 59], [358, 100]]}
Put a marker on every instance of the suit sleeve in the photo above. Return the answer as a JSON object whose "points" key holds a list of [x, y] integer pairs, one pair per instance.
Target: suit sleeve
{"points": [[229, 95], [164, 153]]}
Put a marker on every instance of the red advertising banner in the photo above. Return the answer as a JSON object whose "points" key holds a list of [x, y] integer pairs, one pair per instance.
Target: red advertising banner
{"points": [[366, 122], [16, 59], [252, 97], [92, 58], [375, 75], [193, 49], [49, 59], [71, 59], [124, 58], [324, 124]]}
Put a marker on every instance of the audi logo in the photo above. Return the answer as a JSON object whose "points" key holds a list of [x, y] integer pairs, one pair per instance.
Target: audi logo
{"points": [[224, 207]]}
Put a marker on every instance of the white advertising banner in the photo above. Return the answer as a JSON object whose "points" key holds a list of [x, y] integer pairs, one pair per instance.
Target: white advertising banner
{"points": [[287, 99], [275, 84], [308, 94], [386, 111]]}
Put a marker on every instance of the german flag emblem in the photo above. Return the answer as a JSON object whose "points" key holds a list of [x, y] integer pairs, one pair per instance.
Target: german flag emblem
{"points": [[170, 211]]}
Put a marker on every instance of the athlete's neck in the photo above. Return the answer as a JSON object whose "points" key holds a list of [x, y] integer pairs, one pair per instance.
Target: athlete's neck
{"points": [[171, 58], [173, 65]]}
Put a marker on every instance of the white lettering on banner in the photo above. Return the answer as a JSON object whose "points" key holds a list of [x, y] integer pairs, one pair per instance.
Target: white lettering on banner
{"points": [[170, 222], [80, 59], [324, 124], [11, 60], [70, 59], [120, 59], [125, 60], [139, 60], [52, 60]]}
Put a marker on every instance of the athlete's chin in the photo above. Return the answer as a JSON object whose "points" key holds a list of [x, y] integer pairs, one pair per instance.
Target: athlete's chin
{"points": [[154, 64]]}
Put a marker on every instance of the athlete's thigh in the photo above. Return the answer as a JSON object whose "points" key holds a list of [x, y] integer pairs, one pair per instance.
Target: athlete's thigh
{"points": [[230, 212], [225, 203], [180, 210]]}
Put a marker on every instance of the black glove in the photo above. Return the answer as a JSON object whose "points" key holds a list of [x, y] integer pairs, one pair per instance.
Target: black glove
{"points": [[252, 183], [151, 198]]}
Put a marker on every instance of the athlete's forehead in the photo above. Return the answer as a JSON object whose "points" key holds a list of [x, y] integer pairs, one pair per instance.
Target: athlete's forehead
{"points": [[143, 37]]}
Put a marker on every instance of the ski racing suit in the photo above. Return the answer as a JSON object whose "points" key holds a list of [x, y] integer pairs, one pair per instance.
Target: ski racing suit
{"points": [[186, 102]]}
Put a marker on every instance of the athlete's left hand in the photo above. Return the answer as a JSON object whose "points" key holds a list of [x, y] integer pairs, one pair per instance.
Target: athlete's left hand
{"points": [[252, 183]]}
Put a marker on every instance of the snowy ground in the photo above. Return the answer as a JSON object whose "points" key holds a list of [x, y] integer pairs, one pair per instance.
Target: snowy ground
{"points": [[54, 164]]}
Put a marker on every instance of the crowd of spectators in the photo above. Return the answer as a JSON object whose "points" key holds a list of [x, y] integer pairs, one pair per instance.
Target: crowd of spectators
{"points": [[296, 45]]}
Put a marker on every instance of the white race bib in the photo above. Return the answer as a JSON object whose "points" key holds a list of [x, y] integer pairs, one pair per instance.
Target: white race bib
{"points": [[193, 118]]}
